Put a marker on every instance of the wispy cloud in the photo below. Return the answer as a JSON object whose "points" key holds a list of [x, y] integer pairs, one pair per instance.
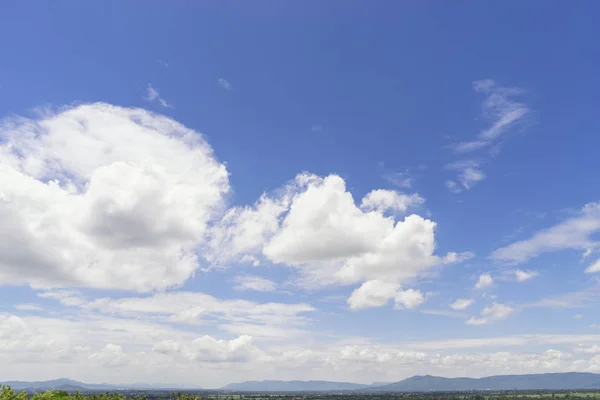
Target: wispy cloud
{"points": [[500, 109], [461, 304], [589, 349], [153, 95], [445, 313], [523, 276], [503, 341], [582, 298], [573, 233], [254, 283], [504, 115], [485, 280], [595, 267], [453, 186], [469, 173], [401, 179], [494, 312], [225, 84], [28, 307]]}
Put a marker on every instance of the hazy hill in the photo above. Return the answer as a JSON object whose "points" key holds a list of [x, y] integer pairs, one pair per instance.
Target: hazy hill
{"points": [[427, 383], [56, 384], [292, 386], [71, 385], [554, 381]]}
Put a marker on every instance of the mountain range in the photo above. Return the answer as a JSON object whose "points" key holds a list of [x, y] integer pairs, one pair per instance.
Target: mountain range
{"points": [[71, 385], [419, 383], [428, 383], [553, 381], [292, 386]]}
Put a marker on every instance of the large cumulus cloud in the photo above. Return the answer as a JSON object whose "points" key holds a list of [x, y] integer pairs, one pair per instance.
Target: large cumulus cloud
{"points": [[105, 197]]}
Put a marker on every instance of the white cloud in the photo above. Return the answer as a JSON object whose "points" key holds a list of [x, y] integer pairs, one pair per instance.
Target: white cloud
{"points": [[225, 84], [383, 200], [68, 298], [314, 225], [110, 356], [28, 307], [406, 252], [375, 293], [594, 364], [153, 95], [575, 299], [469, 173], [503, 113], [523, 276], [595, 267], [243, 231], [589, 349], [573, 233], [324, 224], [466, 147], [256, 283], [445, 313], [199, 308], [401, 179], [332, 241], [209, 349], [372, 293], [577, 316], [17, 336], [91, 339], [492, 313], [454, 257], [453, 186], [11, 326], [409, 298], [126, 210], [167, 346], [126, 350], [461, 304], [502, 341], [485, 280], [240, 349]]}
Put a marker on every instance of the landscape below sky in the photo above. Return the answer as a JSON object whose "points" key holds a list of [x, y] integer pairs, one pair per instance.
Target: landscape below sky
{"points": [[202, 193], [551, 381]]}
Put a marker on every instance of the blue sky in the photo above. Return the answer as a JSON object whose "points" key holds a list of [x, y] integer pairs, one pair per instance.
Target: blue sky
{"points": [[340, 190]]}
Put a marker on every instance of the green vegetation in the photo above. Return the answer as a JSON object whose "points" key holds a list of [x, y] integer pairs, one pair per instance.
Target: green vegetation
{"points": [[7, 393]]}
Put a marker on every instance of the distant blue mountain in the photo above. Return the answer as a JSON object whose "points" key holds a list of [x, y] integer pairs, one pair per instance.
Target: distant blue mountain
{"points": [[554, 381], [426, 383], [71, 385], [380, 383], [292, 386], [62, 383]]}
